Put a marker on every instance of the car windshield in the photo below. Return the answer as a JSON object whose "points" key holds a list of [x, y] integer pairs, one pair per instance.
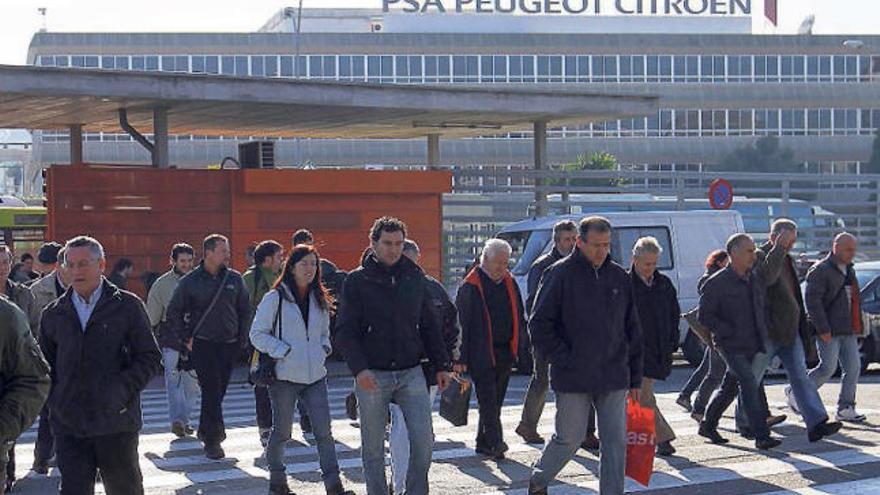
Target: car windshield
{"points": [[866, 276], [527, 246]]}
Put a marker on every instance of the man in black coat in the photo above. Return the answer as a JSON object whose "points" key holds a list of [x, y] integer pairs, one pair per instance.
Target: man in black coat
{"points": [[386, 325], [585, 321], [659, 313], [210, 312], [564, 238], [491, 315], [98, 342]]}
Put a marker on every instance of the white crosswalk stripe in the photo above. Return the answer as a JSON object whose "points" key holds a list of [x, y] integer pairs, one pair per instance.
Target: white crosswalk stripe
{"points": [[170, 464]]}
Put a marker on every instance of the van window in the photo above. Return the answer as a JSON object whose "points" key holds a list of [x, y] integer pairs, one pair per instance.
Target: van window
{"points": [[527, 246], [624, 238]]}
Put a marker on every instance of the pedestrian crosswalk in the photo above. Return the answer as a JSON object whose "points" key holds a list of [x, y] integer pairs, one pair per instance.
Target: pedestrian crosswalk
{"points": [[172, 465]]}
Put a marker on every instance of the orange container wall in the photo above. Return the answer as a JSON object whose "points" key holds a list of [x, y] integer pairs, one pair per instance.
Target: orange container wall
{"points": [[140, 213]]}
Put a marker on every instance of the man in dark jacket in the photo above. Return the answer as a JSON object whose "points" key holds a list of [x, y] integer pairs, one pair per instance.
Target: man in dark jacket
{"points": [[102, 353], [786, 324], [386, 325], [583, 300], [211, 313], [834, 308], [659, 313], [491, 315], [181, 386], [732, 307], [564, 239], [25, 383]]}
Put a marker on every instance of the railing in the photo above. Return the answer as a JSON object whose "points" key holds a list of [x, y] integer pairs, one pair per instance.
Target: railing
{"points": [[484, 201]]}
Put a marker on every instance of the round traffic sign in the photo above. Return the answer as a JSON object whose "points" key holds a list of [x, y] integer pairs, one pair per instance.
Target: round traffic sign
{"points": [[720, 194]]}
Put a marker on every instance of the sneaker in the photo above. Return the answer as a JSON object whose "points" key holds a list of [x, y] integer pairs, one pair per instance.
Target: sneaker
{"points": [[665, 449], [529, 435], [40, 467], [178, 429], [824, 429], [767, 443], [775, 420], [685, 403], [265, 433], [351, 407], [697, 417], [590, 442], [711, 434], [849, 414], [214, 452], [792, 402]]}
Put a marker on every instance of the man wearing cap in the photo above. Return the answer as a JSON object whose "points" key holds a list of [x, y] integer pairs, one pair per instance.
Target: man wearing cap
{"points": [[47, 259]]}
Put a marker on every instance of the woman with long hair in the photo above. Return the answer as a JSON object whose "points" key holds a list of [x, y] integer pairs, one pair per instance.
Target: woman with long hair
{"points": [[292, 325], [706, 378]]}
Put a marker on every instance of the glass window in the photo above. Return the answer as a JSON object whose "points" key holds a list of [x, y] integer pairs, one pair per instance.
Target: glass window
{"points": [[271, 65], [653, 68], [638, 68], [152, 62], [499, 63], [666, 122], [598, 68], [108, 62], [665, 68], [92, 61], [680, 68], [77, 61], [212, 64], [583, 68], [772, 68], [624, 238], [611, 68], [46, 60], [330, 66], [625, 69], [227, 66], [316, 66], [257, 66], [198, 64], [122, 63], [570, 69], [286, 66], [241, 65], [825, 68]]}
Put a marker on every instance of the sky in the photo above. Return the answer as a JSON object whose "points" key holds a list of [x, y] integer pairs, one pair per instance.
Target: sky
{"points": [[19, 19]]}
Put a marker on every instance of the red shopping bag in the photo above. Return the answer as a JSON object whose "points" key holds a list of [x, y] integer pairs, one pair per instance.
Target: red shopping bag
{"points": [[640, 442]]}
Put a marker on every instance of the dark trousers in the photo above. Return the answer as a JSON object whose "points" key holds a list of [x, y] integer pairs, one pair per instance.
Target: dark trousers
{"points": [[264, 407], [739, 376], [10, 463], [213, 363], [44, 448], [4, 460], [491, 387], [115, 455]]}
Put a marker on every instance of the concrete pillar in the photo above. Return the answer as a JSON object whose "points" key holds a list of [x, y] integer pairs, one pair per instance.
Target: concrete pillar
{"points": [[433, 151], [76, 144], [160, 138], [540, 142]]}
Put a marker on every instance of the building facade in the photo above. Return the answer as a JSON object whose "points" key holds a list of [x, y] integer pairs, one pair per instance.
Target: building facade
{"points": [[721, 86]]}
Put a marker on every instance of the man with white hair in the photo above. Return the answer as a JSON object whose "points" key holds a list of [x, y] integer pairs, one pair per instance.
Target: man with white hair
{"points": [[833, 306], [491, 314], [657, 305]]}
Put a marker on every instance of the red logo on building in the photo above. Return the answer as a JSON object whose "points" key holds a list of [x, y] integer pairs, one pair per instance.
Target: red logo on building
{"points": [[771, 11]]}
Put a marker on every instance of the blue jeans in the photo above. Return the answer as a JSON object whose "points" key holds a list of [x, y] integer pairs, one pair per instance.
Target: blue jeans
{"points": [[571, 426], [845, 350], [407, 389], [284, 396], [795, 363], [739, 376], [398, 440], [182, 388]]}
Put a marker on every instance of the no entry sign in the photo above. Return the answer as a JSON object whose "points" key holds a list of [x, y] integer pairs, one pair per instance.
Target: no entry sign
{"points": [[720, 194]]}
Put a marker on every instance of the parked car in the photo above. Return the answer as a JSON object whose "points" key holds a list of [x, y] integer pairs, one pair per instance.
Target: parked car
{"points": [[868, 274]]}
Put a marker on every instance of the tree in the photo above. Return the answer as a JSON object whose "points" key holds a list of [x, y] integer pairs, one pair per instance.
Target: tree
{"points": [[765, 155], [873, 167], [599, 160]]}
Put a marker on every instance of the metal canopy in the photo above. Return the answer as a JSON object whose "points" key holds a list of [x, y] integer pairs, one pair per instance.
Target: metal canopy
{"points": [[58, 98]]}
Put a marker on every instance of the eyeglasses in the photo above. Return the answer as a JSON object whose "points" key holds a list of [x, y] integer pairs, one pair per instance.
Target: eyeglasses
{"points": [[81, 264]]}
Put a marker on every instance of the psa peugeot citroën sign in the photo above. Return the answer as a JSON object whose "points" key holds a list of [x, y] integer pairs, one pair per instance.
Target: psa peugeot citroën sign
{"points": [[586, 7]]}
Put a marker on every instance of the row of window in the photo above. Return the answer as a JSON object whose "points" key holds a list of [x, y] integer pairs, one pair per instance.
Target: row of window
{"points": [[501, 68], [667, 123]]}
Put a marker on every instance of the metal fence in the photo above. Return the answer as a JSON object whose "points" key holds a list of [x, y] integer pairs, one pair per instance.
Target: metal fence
{"points": [[485, 200]]}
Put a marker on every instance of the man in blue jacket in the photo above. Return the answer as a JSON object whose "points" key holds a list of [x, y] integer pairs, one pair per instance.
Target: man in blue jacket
{"points": [[584, 320]]}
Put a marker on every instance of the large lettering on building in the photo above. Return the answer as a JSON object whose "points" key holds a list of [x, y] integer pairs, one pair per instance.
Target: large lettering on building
{"points": [[562, 7]]}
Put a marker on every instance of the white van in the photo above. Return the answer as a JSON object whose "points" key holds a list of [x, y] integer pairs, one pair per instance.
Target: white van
{"points": [[687, 238]]}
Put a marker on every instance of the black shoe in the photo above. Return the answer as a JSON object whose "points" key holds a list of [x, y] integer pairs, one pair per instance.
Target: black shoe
{"points": [[665, 449], [529, 435], [533, 490], [339, 490], [40, 467], [824, 429], [711, 434], [746, 433], [10, 483], [305, 423], [279, 489], [767, 443], [685, 403], [503, 447], [775, 420], [590, 442], [178, 429], [494, 453], [351, 407], [214, 452]]}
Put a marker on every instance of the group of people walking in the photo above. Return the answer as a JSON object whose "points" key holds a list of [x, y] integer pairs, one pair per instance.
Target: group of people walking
{"points": [[600, 335]]}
